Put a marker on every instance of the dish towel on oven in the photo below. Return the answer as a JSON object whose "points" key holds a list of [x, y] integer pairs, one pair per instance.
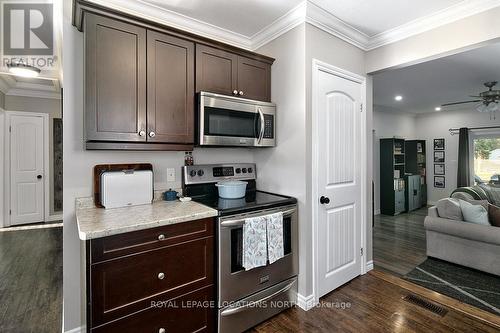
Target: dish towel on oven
{"points": [[275, 247], [254, 242]]}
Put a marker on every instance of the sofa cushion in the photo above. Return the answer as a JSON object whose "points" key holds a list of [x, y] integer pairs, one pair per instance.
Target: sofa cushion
{"points": [[449, 208], [483, 203], [494, 215], [472, 231], [474, 213]]}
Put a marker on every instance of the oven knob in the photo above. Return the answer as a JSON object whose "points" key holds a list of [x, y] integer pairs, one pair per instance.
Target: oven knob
{"points": [[238, 170], [244, 170], [250, 170], [201, 173], [192, 173]]}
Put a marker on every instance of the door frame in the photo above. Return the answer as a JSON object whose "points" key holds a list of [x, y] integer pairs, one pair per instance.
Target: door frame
{"points": [[318, 65], [46, 171]]}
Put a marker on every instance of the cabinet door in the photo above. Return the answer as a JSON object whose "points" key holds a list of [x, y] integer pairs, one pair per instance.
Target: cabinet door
{"points": [[170, 89], [254, 79], [216, 70], [115, 80]]}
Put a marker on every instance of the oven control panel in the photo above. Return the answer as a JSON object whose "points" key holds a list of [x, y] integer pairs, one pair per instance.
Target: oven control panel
{"points": [[212, 173]]}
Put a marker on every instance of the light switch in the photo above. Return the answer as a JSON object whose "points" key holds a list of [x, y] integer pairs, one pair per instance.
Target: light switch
{"points": [[170, 175]]}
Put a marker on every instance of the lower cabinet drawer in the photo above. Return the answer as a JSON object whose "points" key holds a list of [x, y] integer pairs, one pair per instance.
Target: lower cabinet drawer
{"points": [[129, 284], [192, 312]]}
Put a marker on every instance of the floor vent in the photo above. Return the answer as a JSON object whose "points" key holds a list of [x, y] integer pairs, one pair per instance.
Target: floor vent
{"points": [[423, 303]]}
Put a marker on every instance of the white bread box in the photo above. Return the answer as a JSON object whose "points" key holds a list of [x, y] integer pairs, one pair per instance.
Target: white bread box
{"points": [[126, 188]]}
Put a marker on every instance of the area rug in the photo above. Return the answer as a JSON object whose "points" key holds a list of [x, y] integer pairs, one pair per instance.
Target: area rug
{"points": [[467, 285]]}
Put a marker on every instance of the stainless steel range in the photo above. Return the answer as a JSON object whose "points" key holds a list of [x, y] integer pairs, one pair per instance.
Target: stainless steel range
{"points": [[246, 297]]}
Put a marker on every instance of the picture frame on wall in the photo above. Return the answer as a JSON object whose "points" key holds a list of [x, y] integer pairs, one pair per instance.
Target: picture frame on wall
{"points": [[439, 156], [439, 169], [439, 182], [438, 144]]}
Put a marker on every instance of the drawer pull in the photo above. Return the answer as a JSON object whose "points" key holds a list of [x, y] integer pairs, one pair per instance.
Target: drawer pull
{"points": [[161, 237], [162, 330], [161, 276]]}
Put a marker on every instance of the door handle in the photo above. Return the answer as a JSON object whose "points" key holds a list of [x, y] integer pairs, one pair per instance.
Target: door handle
{"points": [[324, 200], [262, 125], [39, 177]]}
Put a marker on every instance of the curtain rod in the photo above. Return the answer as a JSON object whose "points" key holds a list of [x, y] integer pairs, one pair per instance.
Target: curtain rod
{"points": [[473, 128]]}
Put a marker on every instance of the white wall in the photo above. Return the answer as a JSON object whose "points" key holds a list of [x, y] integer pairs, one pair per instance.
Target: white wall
{"points": [[436, 125], [282, 169], [50, 106], [2, 100], [428, 126], [2, 161], [78, 164], [387, 124]]}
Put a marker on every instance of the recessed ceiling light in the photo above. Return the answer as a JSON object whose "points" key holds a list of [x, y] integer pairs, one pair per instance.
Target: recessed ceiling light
{"points": [[438, 108], [398, 98], [24, 70]]}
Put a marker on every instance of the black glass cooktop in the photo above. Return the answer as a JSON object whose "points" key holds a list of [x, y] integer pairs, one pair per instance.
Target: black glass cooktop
{"points": [[253, 201]]}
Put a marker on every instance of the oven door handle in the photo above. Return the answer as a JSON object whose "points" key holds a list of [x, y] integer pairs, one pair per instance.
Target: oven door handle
{"points": [[234, 310], [234, 223], [261, 115]]}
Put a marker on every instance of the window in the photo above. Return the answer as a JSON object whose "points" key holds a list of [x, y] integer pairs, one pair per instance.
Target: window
{"points": [[487, 160]]}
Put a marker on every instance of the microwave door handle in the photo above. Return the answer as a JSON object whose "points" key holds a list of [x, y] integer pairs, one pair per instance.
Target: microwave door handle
{"points": [[261, 115]]}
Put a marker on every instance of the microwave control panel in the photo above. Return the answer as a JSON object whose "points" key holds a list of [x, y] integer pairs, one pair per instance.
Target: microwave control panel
{"points": [[268, 126]]}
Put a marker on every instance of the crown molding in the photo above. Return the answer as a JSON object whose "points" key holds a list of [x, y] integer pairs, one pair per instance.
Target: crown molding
{"points": [[33, 93], [283, 24], [329, 23], [307, 11], [445, 16], [4, 86], [11, 87]]}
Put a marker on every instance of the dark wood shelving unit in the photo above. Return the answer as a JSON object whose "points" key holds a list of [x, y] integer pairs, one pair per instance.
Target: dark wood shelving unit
{"points": [[392, 171]]}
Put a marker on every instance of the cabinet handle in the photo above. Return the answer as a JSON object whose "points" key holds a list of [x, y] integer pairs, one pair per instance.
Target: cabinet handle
{"points": [[152, 134], [161, 237], [235, 92], [162, 330], [142, 133], [241, 92], [161, 276]]}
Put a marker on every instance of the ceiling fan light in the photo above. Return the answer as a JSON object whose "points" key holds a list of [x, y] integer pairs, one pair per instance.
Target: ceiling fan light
{"points": [[493, 107], [482, 108]]}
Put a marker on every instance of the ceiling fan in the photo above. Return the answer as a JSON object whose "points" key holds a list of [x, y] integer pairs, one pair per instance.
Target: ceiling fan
{"points": [[488, 100]]}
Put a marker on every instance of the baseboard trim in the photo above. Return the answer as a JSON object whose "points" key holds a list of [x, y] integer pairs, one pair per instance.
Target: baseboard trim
{"points": [[306, 303], [369, 265], [80, 329]]}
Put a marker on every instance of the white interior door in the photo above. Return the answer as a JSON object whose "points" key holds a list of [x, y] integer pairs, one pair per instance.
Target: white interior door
{"points": [[26, 169], [338, 107]]}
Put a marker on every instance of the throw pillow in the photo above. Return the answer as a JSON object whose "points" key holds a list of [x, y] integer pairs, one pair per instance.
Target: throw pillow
{"points": [[494, 215], [449, 208], [474, 213], [483, 203]]}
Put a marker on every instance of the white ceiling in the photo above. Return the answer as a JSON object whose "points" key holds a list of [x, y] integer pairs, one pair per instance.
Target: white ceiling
{"points": [[252, 23], [373, 17], [430, 84], [245, 17]]}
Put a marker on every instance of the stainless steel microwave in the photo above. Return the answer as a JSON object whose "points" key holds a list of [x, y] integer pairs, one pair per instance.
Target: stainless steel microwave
{"points": [[233, 121]]}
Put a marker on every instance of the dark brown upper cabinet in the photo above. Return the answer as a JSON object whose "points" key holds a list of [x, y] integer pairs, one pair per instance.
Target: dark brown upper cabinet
{"points": [[216, 70], [254, 79], [227, 73], [115, 80], [170, 89]]}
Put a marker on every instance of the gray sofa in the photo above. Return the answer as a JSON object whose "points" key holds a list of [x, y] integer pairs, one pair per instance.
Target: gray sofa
{"points": [[467, 244]]}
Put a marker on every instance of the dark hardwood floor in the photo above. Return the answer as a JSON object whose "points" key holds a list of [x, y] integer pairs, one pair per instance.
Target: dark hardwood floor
{"points": [[399, 242], [375, 306], [31, 281]]}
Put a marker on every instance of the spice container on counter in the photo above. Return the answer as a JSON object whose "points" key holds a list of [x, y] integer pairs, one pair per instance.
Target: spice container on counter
{"points": [[188, 158]]}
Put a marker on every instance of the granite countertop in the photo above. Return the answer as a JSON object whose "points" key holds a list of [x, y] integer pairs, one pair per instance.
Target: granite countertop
{"points": [[96, 222]]}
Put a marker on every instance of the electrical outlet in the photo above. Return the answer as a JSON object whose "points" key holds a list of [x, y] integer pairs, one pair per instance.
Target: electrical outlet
{"points": [[170, 175]]}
